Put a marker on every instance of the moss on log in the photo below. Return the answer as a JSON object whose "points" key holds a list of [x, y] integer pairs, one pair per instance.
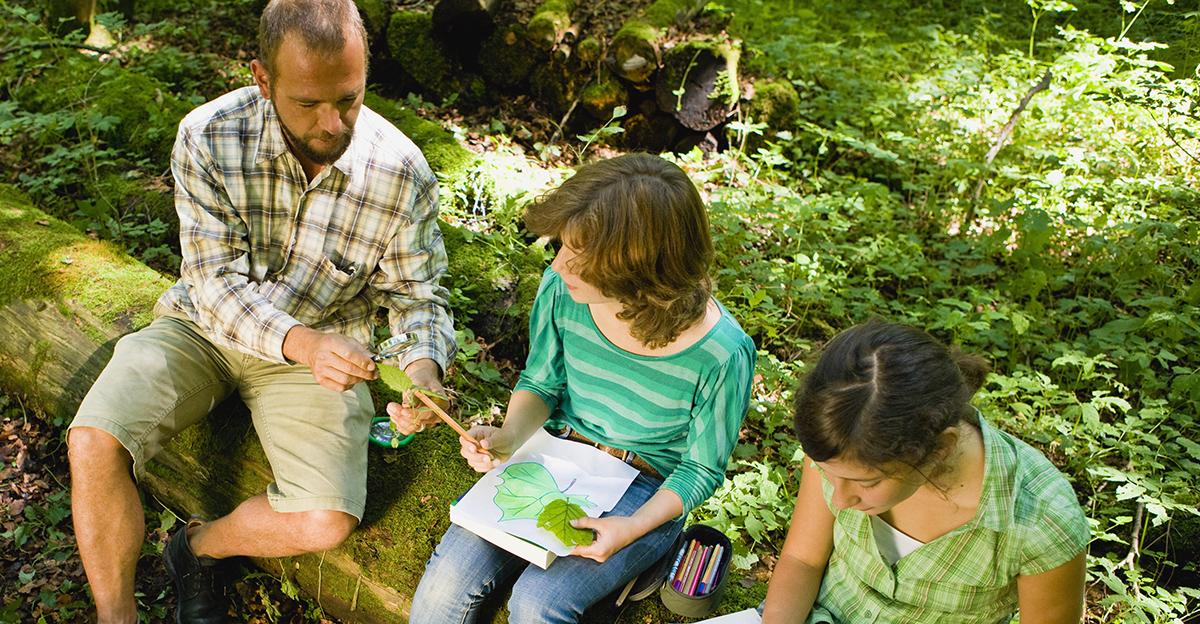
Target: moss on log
{"points": [[698, 83], [603, 95], [506, 58], [414, 48], [548, 24], [635, 47], [774, 101]]}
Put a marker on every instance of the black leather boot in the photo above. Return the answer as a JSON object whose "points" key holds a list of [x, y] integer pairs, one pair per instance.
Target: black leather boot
{"points": [[198, 586]]}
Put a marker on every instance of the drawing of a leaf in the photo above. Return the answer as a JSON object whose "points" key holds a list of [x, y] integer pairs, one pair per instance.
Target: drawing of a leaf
{"points": [[525, 489], [557, 517]]}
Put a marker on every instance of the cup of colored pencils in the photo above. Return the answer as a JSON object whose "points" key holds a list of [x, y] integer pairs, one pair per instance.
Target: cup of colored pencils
{"points": [[696, 578]]}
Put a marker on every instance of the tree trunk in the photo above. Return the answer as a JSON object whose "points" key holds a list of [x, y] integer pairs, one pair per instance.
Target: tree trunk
{"points": [[698, 83], [70, 15], [636, 49], [549, 23]]}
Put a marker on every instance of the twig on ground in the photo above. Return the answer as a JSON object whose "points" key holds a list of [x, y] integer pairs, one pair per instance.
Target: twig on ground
{"points": [[1001, 140], [40, 45]]}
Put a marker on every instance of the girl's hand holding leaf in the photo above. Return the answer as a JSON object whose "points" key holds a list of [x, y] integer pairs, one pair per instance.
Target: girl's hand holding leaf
{"points": [[612, 534]]}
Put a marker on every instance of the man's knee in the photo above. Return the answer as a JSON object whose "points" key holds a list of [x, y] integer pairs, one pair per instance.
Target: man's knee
{"points": [[325, 529], [93, 451]]}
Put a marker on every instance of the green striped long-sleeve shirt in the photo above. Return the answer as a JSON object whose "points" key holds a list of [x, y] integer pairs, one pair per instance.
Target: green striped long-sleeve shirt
{"points": [[680, 412]]}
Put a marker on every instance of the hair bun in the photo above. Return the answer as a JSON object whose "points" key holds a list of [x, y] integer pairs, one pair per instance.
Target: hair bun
{"points": [[974, 368]]}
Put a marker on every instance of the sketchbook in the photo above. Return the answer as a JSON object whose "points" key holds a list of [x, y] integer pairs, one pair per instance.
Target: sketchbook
{"points": [[503, 507]]}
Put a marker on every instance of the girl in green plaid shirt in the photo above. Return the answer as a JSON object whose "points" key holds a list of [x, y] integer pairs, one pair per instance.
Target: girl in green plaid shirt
{"points": [[912, 507]]}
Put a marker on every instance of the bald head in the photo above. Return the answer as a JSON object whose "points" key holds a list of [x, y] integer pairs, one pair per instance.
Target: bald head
{"points": [[321, 26]]}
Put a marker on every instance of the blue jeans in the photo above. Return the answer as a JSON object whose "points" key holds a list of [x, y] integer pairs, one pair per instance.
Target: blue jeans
{"points": [[465, 569]]}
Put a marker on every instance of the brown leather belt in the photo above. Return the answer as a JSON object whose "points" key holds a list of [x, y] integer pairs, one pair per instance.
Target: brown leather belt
{"points": [[629, 457]]}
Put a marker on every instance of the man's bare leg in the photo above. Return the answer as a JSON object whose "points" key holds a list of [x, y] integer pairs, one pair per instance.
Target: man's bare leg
{"points": [[254, 529], [108, 519]]}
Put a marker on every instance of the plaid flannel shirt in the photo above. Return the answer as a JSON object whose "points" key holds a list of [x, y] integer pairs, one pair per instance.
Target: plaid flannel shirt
{"points": [[1028, 522], [265, 249]]}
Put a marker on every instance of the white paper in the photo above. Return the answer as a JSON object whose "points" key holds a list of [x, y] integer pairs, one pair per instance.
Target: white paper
{"points": [[585, 475], [749, 616]]}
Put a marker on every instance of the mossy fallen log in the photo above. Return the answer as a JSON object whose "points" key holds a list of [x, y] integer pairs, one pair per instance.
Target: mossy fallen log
{"points": [[549, 23], [698, 82], [636, 47], [424, 59]]}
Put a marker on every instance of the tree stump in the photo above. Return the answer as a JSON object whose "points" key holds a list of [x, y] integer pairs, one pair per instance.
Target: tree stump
{"points": [[698, 83]]}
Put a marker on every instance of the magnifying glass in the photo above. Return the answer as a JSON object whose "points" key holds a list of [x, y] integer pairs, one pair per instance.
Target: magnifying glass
{"points": [[382, 434], [393, 346]]}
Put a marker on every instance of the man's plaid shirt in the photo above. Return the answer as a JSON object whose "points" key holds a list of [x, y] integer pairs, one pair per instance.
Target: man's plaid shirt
{"points": [[264, 249]]}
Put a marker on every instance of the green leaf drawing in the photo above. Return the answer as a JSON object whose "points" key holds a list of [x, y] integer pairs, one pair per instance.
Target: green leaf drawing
{"points": [[526, 488], [557, 517]]}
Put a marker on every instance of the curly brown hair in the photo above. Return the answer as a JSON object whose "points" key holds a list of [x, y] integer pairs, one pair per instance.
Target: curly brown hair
{"points": [[641, 231]]}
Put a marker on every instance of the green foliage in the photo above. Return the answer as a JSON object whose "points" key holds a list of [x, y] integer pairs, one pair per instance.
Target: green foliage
{"points": [[1069, 261], [857, 185]]}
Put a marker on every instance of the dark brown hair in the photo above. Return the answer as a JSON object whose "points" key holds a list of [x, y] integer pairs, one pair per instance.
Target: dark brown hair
{"points": [[321, 24], [642, 235], [882, 393]]}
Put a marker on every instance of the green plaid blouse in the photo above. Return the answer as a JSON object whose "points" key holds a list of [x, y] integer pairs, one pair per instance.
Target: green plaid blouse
{"points": [[1028, 522], [265, 249]]}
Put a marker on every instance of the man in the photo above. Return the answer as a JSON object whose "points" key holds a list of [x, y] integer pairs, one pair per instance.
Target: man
{"points": [[301, 213]]}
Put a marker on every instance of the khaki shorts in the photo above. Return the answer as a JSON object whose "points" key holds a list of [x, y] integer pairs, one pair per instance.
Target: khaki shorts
{"points": [[168, 376]]}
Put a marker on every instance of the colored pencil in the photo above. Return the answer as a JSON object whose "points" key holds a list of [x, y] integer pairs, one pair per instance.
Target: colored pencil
{"points": [[706, 579], [686, 581], [462, 433], [696, 573], [675, 566], [687, 561]]}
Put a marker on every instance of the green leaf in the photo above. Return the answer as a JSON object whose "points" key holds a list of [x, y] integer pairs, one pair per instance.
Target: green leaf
{"points": [[556, 517], [526, 488], [394, 378]]}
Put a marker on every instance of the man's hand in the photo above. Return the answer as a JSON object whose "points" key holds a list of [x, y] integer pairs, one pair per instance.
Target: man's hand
{"points": [[612, 534], [337, 362], [411, 415]]}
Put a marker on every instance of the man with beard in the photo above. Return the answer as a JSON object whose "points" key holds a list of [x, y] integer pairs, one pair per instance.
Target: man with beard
{"points": [[301, 213]]}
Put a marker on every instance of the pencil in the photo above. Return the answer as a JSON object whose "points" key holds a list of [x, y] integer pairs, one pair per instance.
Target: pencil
{"points": [[449, 421], [677, 582], [694, 579], [675, 566], [706, 579]]}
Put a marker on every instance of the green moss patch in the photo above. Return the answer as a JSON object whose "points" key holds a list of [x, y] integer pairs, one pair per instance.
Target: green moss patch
{"points": [[44, 258]]}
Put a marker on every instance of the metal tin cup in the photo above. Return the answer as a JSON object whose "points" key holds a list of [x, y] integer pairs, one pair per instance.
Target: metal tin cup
{"points": [[704, 604]]}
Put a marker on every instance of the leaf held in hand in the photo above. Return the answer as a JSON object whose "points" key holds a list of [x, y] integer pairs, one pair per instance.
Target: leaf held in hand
{"points": [[394, 378], [556, 518]]}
